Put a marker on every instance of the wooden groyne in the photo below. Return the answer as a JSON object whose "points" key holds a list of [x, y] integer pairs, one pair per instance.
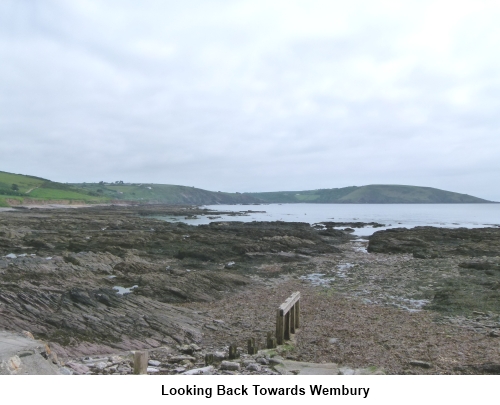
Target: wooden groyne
{"points": [[288, 318]]}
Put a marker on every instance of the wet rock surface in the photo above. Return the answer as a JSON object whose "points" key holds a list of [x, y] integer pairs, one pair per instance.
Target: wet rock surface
{"points": [[358, 337], [430, 242], [115, 279], [457, 271], [100, 279], [331, 224]]}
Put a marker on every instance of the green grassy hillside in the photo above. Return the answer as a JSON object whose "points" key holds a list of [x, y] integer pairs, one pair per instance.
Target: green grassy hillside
{"points": [[307, 196], [19, 187], [164, 194], [373, 194]]}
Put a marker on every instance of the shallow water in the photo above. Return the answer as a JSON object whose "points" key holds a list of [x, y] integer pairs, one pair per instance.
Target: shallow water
{"points": [[391, 215], [122, 290], [318, 279]]}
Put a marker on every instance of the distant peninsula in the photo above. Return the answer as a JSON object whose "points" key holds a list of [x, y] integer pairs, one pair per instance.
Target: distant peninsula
{"points": [[371, 194], [18, 189]]}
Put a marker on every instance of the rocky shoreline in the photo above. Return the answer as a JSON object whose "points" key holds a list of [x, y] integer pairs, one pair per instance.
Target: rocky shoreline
{"points": [[113, 279]]}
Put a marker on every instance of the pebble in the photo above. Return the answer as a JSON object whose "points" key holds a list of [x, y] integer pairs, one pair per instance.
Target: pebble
{"points": [[200, 371], [154, 363], [229, 365], [178, 359], [124, 369], [195, 347], [253, 367], [276, 360], [153, 370], [65, 371], [92, 360], [187, 349], [101, 365], [78, 368], [346, 371], [219, 356], [247, 362]]}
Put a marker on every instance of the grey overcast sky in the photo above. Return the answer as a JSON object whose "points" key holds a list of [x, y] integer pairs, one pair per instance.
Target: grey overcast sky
{"points": [[253, 95]]}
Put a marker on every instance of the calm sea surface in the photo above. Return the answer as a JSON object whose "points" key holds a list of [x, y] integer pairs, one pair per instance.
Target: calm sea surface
{"points": [[391, 215]]}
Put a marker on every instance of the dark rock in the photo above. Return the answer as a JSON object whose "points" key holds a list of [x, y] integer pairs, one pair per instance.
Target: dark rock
{"points": [[70, 302], [81, 297], [429, 242], [490, 368], [480, 265], [253, 367], [186, 349], [72, 260], [418, 363], [330, 224]]}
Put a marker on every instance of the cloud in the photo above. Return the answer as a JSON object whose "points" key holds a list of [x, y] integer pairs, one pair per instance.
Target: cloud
{"points": [[253, 95]]}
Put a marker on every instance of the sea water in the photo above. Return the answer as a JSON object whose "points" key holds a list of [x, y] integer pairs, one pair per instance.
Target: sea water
{"points": [[390, 215]]}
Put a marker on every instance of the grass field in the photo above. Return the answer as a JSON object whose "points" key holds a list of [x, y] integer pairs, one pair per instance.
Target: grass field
{"points": [[24, 183], [19, 187], [163, 193]]}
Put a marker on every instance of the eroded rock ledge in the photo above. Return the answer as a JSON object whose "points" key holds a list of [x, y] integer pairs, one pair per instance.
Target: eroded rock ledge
{"points": [[105, 279]]}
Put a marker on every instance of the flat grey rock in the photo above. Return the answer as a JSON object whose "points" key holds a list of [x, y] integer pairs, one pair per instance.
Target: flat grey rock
{"points": [[290, 367], [21, 355], [229, 365]]}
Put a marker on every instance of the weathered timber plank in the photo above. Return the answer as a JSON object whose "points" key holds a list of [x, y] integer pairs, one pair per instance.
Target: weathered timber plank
{"points": [[297, 314], [287, 326], [270, 341], [280, 337], [289, 303], [141, 362]]}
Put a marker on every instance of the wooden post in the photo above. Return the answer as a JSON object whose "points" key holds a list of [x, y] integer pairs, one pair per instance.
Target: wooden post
{"points": [[270, 341], [287, 318], [233, 352], [280, 332], [141, 362], [292, 319], [252, 349], [209, 359], [297, 314], [287, 326]]}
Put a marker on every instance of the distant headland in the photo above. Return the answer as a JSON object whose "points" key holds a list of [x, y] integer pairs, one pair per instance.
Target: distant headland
{"points": [[18, 189]]}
